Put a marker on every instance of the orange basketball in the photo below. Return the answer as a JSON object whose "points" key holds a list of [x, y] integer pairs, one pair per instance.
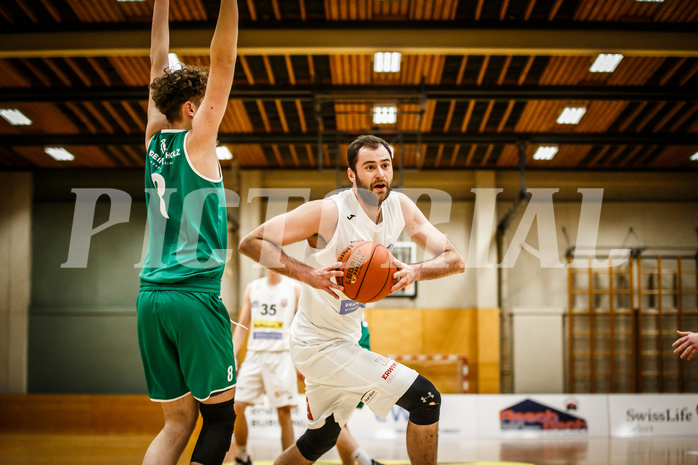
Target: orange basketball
{"points": [[368, 271]]}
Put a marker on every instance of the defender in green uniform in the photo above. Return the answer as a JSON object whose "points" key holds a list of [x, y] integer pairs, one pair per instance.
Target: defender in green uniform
{"points": [[183, 327]]}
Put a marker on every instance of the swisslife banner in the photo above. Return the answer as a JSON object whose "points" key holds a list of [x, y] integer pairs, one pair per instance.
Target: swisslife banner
{"points": [[545, 415], [458, 420], [653, 415]]}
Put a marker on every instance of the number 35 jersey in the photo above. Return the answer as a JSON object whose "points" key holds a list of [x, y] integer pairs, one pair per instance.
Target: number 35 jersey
{"points": [[271, 314]]}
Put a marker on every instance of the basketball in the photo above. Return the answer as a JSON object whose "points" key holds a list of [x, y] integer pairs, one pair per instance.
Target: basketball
{"points": [[368, 271]]}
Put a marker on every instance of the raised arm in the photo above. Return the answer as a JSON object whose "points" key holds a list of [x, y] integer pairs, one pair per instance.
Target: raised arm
{"points": [[447, 259], [159, 49], [313, 221], [243, 319], [201, 145]]}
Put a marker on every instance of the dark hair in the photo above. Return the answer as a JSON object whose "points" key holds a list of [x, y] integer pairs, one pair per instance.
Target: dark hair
{"points": [[372, 142], [176, 87]]}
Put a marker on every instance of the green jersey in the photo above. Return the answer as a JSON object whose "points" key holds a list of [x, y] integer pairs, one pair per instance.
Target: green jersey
{"points": [[186, 216]]}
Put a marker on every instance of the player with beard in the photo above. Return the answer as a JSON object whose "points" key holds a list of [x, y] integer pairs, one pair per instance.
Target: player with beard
{"points": [[325, 332]]}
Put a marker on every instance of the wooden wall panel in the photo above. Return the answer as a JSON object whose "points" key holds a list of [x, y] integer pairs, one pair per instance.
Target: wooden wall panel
{"points": [[396, 330], [470, 332], [94, 414]]}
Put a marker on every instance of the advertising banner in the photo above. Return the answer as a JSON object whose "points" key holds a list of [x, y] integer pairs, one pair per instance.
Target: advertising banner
{"points": [[653, 415], [518, 416], [458, 420], [263, 421], [545, 415]]}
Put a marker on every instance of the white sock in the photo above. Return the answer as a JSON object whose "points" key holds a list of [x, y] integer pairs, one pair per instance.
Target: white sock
{"points": [[242, 452], [361, 457]]}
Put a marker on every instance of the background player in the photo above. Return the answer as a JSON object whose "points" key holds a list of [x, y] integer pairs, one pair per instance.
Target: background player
{"points": [[326, 330], [269, 304], [183, 327]]}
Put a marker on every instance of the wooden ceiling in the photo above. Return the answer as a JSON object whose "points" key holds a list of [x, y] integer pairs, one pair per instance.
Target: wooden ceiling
{"points": [[481, 83]]}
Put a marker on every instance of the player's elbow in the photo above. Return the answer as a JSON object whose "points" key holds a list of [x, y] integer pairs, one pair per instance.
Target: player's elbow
{"points": [[246, 246], [457, 261], [460, 264]]}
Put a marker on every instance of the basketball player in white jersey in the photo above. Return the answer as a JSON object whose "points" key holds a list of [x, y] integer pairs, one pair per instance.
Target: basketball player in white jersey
{"points": [[269, 305], [326, 330]]}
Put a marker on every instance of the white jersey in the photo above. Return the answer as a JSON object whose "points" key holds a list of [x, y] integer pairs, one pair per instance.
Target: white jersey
{"points": [[272, 310], [322, 318]]}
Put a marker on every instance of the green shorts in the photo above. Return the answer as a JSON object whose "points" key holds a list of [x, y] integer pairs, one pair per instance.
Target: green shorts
{"points": [[186, 344]]}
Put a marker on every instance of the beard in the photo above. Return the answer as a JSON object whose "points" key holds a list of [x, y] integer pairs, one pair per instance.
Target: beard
{"points": [[370, 197]]}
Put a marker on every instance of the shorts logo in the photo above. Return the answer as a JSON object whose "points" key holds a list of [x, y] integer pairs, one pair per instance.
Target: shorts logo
{"points": [[366, 398], [349, 306], [390, 372], [310, 415]]}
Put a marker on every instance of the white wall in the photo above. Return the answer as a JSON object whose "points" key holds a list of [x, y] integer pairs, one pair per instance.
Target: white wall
{"points": [[629, 219]]}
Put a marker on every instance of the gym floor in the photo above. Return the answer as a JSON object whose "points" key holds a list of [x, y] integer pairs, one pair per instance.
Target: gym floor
{"points": [[57, 449]]}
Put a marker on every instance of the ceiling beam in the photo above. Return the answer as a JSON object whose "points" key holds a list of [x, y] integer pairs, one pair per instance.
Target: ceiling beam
{"points": [[372, 93], [335, 137], [341, 41]]}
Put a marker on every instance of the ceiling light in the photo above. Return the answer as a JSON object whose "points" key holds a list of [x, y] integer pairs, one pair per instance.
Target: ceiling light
{"points": [[571, 115], [59, 153], [606, 63], [15, 117], [174, 62], [545, 152], [224, 153], [386, 62], [694, 157], [384, 115], [650, 1]]}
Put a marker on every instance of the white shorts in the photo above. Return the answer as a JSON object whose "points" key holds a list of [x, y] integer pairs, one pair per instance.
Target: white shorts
{"points": [[270, 373], [340, 375]]}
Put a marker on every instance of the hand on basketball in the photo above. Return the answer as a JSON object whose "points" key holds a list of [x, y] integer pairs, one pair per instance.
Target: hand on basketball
{"points": [[688, 343], [405, 275], [323, 279]]}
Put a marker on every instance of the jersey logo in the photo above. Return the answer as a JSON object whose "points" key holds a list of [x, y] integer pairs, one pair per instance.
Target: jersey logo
{"points": [[349, 306], [168, 155], [351, 216], [267, 335]]}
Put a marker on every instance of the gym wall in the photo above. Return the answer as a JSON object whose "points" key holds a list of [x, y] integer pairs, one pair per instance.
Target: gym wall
{"points": [[81, 335]]}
